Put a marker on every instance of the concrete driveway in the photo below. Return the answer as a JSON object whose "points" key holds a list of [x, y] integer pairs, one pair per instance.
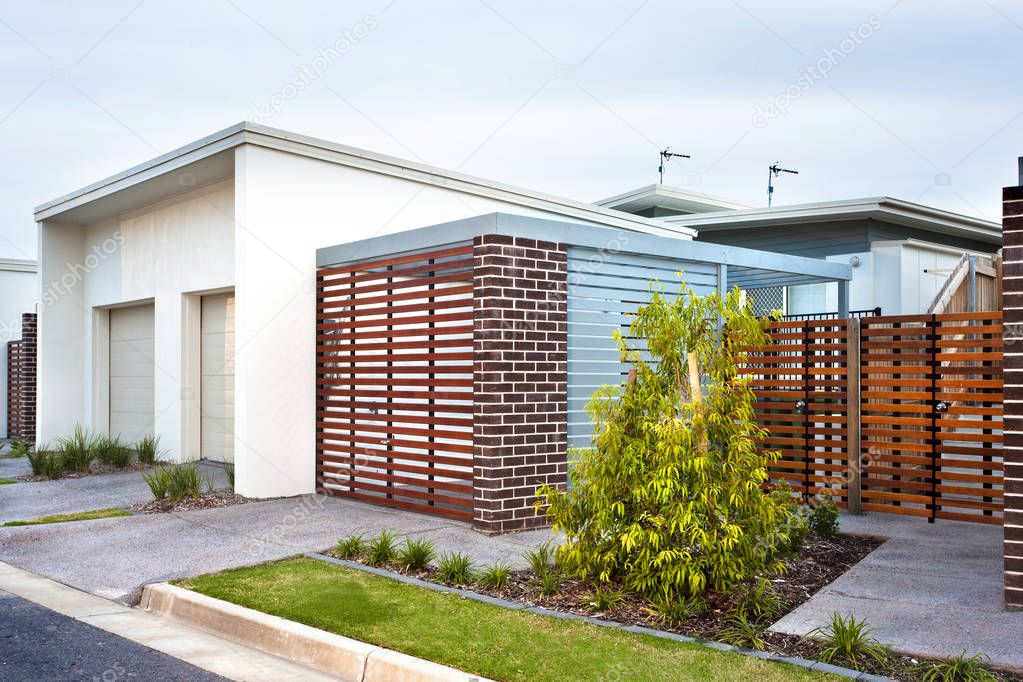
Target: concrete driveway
{"points": [[115, 557], [22, 501]]}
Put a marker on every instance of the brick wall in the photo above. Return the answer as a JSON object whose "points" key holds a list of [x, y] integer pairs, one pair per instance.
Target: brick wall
{"points": [[1012, 306], [21, 382], [520, 367]]}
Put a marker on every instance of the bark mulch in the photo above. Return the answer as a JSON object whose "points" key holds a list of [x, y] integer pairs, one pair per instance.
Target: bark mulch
{"points": [[213, 499]]}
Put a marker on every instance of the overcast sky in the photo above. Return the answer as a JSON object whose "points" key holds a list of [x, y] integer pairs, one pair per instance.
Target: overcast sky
{"points": [[917, 99]]}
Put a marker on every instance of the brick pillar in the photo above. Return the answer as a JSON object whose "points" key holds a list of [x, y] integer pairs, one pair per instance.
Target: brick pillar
{"points": [[27, 378], [520, 374], [1012, 307]]}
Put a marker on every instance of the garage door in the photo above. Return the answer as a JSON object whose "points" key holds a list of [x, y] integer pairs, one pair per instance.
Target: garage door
{"points": [[131, 372], [217, 394]]}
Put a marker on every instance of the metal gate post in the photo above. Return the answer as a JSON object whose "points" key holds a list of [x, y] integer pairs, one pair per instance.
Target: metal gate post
{"points": [[934, 418], [853, 409]]}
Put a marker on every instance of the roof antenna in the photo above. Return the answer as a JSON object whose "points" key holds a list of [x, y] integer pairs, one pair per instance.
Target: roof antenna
{"points": [[668, 155], [774, 171]]}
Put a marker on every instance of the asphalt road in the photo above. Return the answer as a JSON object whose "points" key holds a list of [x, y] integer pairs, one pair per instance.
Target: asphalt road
{"points": [[39, 644]]}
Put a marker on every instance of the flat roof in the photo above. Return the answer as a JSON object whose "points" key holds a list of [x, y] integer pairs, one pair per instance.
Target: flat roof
{"points": [[673, 198], [212, 147], [887, 209], [747, 268]]}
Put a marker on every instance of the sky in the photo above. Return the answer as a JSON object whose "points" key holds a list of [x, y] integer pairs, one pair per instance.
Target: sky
{"points": [[914, 99]]}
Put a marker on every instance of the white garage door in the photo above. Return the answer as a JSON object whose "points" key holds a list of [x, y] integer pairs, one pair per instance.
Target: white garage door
{"points": [[131, 372], [217, 368]]}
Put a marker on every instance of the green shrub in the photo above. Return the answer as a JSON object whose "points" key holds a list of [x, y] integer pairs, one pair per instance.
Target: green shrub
{"points": [[668, 501], [759, 603], [677, 611], [351, 547], [741, 631], [848, 639], [381, 549], [542, 559], [112, 452], [175, 482], [19, 448], [494, 576], [606, 599], [455, 568], [148, 449], [46, 462], [961, 668], [158, 481], [78, 450], [795, 529], [822, 517], [416, 554], [550, 583]]}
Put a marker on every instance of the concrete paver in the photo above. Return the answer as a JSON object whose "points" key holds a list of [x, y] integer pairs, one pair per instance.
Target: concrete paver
{"points": [[930, 590]]}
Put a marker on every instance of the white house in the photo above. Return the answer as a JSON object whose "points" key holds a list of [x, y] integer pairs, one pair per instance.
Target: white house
{"points": [[179, 296], [18, 291]]}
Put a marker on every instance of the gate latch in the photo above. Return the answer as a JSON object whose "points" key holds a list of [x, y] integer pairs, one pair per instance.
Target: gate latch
{"points": [[941, 406], [800, 406]]}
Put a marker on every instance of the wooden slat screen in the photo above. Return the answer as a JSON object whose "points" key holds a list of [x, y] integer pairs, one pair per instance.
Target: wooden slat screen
{"points": [[932, 412], [13, 389], [394, 412], [800, 382]]}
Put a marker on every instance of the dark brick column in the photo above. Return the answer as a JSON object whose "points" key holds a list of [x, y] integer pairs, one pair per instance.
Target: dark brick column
{"points": [[27, 378], [1012, 307], [520, 370]]}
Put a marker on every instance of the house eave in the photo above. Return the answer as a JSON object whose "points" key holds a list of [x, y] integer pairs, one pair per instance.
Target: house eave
{"points": [[281, 140]]}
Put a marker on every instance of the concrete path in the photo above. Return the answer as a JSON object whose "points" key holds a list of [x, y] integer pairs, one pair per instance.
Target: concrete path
{"points": [[174, 638], [930, 590], [115, 557], [21, 501]]}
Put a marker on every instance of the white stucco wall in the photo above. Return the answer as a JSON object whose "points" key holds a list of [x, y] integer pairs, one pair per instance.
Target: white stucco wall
{"points": [[17, 296], [287, 207], [161, 254]]}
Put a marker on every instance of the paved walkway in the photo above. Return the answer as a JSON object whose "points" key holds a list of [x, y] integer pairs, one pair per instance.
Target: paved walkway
{"points": [[931, 589], [22, 501], [115, 557]]}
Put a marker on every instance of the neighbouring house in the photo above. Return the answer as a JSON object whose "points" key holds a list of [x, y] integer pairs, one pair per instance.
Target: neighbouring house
{"points": [[18, 295], [902, 253], [330, 318]]}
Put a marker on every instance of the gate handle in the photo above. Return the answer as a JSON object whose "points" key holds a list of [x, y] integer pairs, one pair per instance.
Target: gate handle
{"points": [[800, 406], [941, 406]]}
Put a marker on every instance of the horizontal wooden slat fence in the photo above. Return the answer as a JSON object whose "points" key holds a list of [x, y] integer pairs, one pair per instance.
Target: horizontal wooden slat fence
{"points": [[13, 389], [394, 416], [932, 416], [913, 402], [800, 382]]}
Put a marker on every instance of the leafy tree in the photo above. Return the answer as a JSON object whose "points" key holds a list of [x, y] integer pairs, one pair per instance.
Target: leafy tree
{"points": [[670, 499]]}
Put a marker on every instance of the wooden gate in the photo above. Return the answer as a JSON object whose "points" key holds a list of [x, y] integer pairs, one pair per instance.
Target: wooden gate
{"points": [[932, 416], [394, 412], [914, 427], [801, 386]]}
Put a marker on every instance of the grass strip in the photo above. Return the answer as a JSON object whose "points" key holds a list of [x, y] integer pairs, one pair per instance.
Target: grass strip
{"points": [[77, 516], [6, 481], [473, 636]]}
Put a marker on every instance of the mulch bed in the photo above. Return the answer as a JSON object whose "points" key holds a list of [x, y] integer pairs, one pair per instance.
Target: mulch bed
{"points": [[821, 561], [213, 499], [95, 469]]}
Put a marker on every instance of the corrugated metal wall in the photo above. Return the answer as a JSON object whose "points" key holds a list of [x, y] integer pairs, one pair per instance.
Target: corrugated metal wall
{"points": [[603, 289]]}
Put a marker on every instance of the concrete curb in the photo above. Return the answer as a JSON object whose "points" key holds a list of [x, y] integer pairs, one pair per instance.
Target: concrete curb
{"points": [[816, 666], [334, 654]]}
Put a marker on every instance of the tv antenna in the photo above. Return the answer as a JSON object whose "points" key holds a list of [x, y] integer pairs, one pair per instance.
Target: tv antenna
{"points": [[774, 171], [666, 156]]}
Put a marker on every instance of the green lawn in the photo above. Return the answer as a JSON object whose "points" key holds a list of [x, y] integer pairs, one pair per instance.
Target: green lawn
{"points": [[78, 516], [6, 481], [478, 638]]}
